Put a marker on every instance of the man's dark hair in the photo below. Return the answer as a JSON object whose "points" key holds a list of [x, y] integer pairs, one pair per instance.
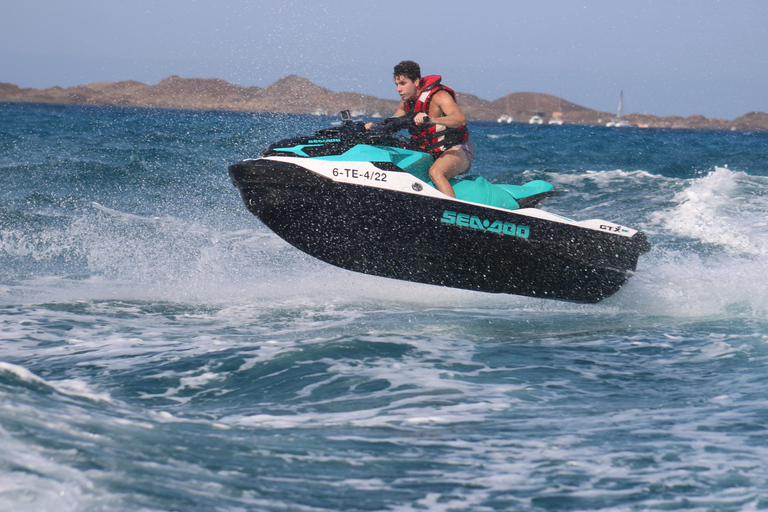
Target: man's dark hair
{"points": [[408, 69]]}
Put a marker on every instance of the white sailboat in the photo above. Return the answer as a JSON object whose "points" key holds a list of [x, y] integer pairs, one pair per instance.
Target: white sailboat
{"points": [[536, 118], [619, 122], [506, 117]]}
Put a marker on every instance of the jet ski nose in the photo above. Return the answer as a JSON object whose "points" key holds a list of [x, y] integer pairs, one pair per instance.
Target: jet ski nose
{"points": [[642, 243]]}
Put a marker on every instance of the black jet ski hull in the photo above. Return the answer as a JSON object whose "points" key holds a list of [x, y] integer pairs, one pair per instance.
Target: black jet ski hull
{"points": [[434, 240]]}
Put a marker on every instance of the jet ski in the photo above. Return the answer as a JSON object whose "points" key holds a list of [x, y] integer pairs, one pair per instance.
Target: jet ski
{"points": [[361, 199]]}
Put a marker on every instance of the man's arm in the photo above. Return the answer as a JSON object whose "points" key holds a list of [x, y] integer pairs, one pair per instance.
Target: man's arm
{"points": [[399, 113], [450, 115]]}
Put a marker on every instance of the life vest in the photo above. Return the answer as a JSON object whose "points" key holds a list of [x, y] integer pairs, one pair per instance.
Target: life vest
{"points": [[433, 139]]}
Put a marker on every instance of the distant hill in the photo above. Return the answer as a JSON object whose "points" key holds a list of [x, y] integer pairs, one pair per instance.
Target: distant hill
{"points": [[291, 94], [295, 94]]}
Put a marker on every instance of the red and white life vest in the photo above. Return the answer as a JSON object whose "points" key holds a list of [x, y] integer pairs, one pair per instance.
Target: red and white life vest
{"points": [[433, 138]]}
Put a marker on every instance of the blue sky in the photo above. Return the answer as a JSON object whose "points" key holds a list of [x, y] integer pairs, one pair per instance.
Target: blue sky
{"points": [[673, 57]]}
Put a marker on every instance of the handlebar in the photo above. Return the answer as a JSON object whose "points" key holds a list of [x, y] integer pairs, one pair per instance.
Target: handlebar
{"points": [[395, 124]]}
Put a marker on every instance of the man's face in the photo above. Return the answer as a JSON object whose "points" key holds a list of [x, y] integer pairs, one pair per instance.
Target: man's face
{"points": [[407, 89]]}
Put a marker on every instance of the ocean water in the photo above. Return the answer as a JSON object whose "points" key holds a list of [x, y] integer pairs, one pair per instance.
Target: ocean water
{"points": [[161, 350]]}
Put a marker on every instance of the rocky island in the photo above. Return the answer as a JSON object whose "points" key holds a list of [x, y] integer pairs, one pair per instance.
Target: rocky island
{"points": [[295, 94]]}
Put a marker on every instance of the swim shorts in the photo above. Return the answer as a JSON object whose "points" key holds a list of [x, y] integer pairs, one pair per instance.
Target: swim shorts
{"points": [[468, 149]]}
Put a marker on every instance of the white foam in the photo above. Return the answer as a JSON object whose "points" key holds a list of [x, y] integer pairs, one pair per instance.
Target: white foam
{"points": [[685, 284], [507, 136], [70, 387], [724, 208], [709, 253], [604, 179]]}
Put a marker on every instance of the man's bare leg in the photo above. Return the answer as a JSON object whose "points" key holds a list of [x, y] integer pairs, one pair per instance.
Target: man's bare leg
{"points": [[448, 165]]}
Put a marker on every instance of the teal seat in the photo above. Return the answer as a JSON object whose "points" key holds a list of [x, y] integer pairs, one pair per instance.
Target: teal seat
{"points": [[477, 189]]}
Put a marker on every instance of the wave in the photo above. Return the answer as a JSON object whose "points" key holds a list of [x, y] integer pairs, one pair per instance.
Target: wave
{"points": [[15, 375], [725, 208], [710, 247]]}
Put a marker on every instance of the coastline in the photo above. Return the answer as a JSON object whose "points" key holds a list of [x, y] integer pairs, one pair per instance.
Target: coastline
{"points": [[298, 95]]}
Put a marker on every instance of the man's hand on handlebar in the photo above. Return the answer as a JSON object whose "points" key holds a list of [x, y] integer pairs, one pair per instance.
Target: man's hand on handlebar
{"points": [[421, 118]]}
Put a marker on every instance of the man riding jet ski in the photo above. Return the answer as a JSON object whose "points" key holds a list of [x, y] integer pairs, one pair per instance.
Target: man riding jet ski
{"points": [[438, 124], [363, 200]]}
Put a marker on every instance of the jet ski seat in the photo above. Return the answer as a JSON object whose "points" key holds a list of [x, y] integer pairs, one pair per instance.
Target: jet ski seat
{"points": [[477, 189]]}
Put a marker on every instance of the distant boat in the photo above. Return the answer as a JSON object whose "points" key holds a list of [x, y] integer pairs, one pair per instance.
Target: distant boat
{"points": [[557, 118], [619, 122], [505, 118], [536, 119]]}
